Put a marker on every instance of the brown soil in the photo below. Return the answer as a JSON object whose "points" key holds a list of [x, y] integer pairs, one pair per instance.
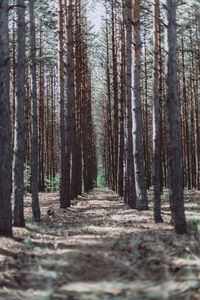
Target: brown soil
{"points": [[101, 249]]}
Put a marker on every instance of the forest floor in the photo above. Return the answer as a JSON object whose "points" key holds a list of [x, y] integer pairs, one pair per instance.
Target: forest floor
{"points": [[100, 249]]}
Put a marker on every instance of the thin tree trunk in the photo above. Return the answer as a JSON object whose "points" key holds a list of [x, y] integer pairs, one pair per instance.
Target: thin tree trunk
{"points": [[130, 173], [13, 84], [19, 142], [70, 101], [63, 201], [156, 116], [34, 137], [122, 101], [138, 149]]}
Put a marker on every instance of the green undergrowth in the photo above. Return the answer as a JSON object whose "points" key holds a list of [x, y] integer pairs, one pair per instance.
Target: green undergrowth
{"points": [[100, 179], [51, 184]]}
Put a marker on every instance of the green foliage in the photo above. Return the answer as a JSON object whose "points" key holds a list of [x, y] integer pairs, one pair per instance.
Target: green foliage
{"points": [[27, 178], [52, 184], [100, 179]]}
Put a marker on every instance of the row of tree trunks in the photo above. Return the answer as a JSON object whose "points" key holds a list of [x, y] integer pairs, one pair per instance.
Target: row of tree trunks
{"points": [[133, 134], [78, 153]]}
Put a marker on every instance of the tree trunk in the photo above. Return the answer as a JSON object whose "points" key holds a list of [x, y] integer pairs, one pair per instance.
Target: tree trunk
{"points": [[138, 149], [5, 126], [156, 116], [19, 143], [70, 100], [34, 137], [173, 123], [63, 202], [122, 101], [130, 173]]}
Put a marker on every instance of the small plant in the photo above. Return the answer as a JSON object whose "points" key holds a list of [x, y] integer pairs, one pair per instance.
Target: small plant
{"points": [[27, 178], [52, 184], [100, 179]]}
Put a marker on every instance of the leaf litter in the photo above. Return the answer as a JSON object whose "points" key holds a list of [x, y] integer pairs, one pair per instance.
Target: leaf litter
{"points": [[101, 249]]}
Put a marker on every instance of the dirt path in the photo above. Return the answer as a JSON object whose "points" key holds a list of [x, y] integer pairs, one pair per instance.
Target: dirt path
{"points": [[100, 249]]}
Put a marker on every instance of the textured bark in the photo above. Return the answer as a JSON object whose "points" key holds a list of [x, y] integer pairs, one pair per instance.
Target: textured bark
{"points": [[34, 135], [41, 118], [19, 142], [72, 102], [196, 116], [115, 91], [70, 108], [109, 114], [5, 126], [156, 116], [173, 123], [130, 173], [13, 83], [146, 120], [185, 123], [27, 109], [122, 101], [78, 95], [63, 201], [138, 149]]}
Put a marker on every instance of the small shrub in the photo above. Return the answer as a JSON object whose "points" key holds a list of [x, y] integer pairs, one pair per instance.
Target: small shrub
{"points": [[52, 184], [100, 179], [27, 178]]}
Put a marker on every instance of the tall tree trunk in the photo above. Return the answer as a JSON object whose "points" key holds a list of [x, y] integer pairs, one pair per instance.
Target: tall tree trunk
{"points": [[138, 149], [41, 117], [156, 116], [115, 91], [130, 173], [146, 120], [34, 137], [19, 142], [185, 122], [109, 111], [63, 201], [70, 99], [173, 123], [5, 126], [122, 101], [13, 84]]}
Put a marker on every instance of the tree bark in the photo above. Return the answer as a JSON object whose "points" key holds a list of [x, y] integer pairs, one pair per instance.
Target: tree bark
{"points": [[156, 116], [63, 201], [19, 142], [173, 122], [138, 149], [34, 136], [130, 172], [5, 126]]}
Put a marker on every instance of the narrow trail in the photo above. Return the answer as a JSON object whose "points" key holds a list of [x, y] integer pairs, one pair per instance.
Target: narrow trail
{"points": [[99, 249]]}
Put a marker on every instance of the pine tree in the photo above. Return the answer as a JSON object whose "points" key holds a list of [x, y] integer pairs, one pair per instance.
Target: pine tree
{"points": [[18, 169], [5, 126]]}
